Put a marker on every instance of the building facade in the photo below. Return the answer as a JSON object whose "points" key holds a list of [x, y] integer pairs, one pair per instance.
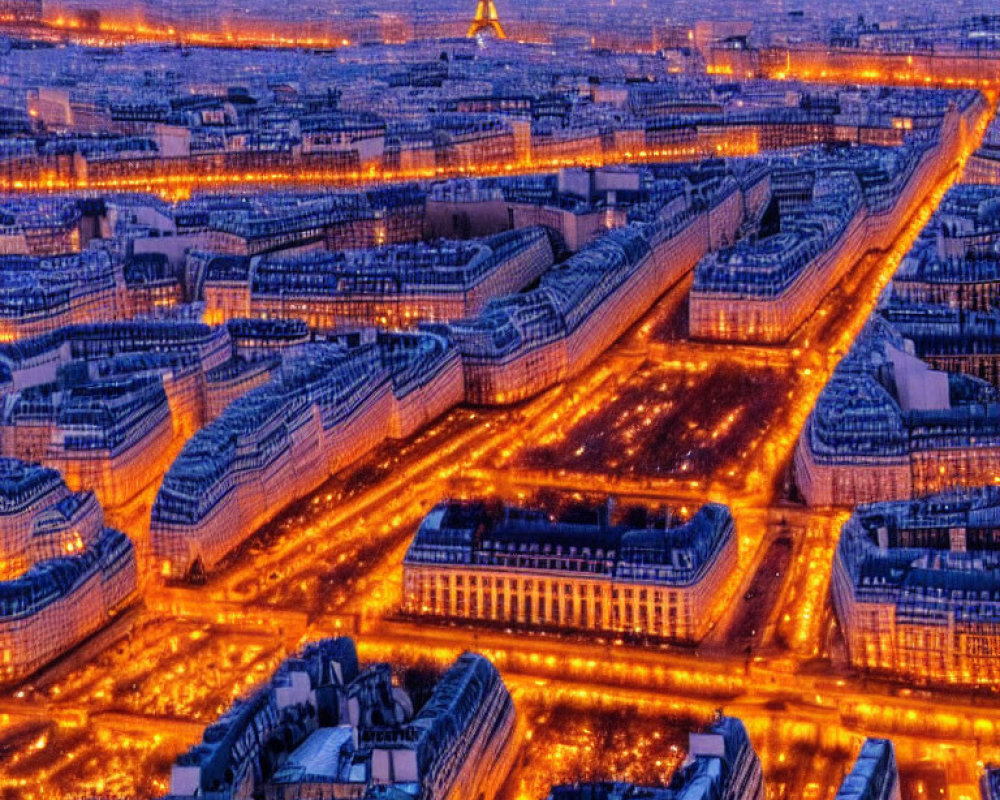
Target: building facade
{"points": [[916, 587], [106, 403], [517, 567], [327, 404], [762, 289], [323, 727], [888, 426], [396, 287], [64, 573], [955, 261]]}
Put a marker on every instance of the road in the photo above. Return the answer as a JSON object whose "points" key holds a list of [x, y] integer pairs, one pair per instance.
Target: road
{"points": [[178, 185], [111, 722]]}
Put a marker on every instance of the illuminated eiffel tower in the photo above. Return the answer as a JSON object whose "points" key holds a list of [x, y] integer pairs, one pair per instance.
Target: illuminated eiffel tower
{"points": [[486, 19]]}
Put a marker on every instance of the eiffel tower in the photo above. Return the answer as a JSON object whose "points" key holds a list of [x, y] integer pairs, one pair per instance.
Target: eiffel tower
{"points": [[486, 19]]}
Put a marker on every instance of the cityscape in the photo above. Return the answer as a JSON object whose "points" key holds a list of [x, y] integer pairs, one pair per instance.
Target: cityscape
{"points": [[492, 400]]}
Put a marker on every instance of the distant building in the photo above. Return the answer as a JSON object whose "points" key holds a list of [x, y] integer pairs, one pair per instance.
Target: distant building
{"points": [[469, 140], [322, 728], [414, 117], [956, 260], [152, 284], [396, 286], [516, 566], [983, 166], [916, 587], [20, 10], [40, 226], [856, 200], [268, 222], [721, 765], [581, 205]]}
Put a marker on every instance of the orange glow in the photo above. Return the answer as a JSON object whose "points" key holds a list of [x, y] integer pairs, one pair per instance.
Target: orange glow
{"points": [[814, 63], [158, 176], [110, 721]]}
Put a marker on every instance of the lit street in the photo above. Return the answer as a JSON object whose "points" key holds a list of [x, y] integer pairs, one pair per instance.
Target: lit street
{"points": [[331, 564]]}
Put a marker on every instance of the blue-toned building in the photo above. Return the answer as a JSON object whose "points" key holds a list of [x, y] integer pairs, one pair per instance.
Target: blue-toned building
{"points": [[721, 765], [887, 426], [326, 405], [26, 490], [325, 727], [267, 222], [395, 286], [956, 260], [255, 337], [63, 572], [521, 344], [834, 205], [950, 339], [41, 293], [916, 587], [153, 283], [874, 775], [983, 166], [40, 225], [103, 402], [989, 784], [471, 560]]}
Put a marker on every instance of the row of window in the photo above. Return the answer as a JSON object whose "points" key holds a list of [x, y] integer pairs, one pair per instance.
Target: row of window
{"points": [[445, 582], [665, 613]]}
